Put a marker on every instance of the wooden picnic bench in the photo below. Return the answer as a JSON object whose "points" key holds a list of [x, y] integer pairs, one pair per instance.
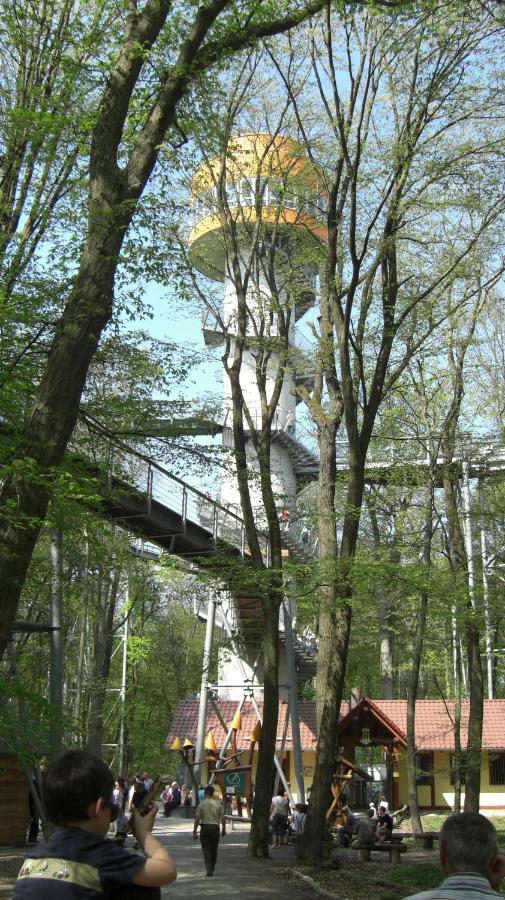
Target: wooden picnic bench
{"points": [[394, 849], [425, 839]]}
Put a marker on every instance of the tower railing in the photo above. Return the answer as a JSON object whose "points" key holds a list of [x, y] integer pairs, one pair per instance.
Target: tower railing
{"points": [[245, 193], [130, 470]]}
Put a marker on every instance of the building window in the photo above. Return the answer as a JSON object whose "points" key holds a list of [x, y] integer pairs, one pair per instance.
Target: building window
{"points": [[462, 767], [497, 768], [424, 768]]}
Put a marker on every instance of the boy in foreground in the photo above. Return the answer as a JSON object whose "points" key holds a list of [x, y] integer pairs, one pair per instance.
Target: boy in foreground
{"points": [[78, 861]]}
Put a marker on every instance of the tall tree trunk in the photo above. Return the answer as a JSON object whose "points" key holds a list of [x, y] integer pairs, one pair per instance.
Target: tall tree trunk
{"points": [[102, 640], [416, 663], [386, 644], [472, 639], [334, 633], [328, 552], [260, 829]]}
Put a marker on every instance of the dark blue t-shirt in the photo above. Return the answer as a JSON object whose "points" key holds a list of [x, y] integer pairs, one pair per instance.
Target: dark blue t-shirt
{"points": [[76, 865]]}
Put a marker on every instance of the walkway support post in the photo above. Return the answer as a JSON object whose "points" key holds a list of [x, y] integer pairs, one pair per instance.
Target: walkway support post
{"points": [[294, 711], [202, 709], [485, 595]]}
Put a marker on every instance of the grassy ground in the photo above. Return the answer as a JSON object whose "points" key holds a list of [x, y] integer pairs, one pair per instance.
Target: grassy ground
{"points": [[422, 872]]}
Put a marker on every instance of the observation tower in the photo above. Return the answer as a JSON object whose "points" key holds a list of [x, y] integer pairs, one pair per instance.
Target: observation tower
{"points": [[256, 221]]}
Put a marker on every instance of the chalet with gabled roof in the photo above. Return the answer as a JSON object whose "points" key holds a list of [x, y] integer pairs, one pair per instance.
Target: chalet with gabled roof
{"points": [[372, 734]]}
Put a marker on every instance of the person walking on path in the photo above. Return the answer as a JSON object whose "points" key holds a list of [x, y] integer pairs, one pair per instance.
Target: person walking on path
{"points": [[470, 858], [209, 816]]}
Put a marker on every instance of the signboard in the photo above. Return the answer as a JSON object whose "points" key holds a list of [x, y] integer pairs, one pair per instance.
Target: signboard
{"points": [[234, 782]]}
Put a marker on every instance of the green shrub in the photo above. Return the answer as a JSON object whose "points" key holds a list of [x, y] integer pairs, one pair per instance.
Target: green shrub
{"points": [[418, 876]]}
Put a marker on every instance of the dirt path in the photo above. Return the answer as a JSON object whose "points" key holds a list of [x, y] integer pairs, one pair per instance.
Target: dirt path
{"points": [[239, 876]]}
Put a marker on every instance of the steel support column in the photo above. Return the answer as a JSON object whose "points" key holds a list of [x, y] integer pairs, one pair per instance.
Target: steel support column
{"points": [[202, 709], [294, 711]]}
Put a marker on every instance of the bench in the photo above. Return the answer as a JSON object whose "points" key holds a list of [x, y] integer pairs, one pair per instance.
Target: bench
{"points": [[183, 812], [425, 839], [394, 849], [236, 820]]}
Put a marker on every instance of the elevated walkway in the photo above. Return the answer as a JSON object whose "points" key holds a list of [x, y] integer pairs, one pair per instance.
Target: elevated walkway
{"points": [[164, 510]]}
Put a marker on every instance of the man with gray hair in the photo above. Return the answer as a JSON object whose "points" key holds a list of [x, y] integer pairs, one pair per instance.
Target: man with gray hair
{"points": [[470, 859]]}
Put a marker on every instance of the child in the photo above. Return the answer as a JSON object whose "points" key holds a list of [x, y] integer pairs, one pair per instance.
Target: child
{"points": [[78, 861]]}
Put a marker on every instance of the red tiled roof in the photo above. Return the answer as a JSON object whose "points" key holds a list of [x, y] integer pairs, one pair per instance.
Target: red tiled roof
{"points": [[434, 728], [185, 723], [434, 722]]}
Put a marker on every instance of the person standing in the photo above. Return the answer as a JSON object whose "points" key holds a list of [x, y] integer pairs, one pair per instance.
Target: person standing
{"points": [[136, 796], [148, 781], [279, 816], [284, 520], [119, 796], [209, 816]]}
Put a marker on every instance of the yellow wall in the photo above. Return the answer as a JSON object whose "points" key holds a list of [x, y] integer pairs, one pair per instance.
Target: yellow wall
{"points": [[492, 797]]}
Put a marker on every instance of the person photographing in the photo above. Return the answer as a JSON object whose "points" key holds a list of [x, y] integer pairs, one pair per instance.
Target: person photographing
{"points": [[78, 860]]}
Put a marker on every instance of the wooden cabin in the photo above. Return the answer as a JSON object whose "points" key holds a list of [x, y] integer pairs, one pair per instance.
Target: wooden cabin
{"points": [[373, 734], [14, 815]]}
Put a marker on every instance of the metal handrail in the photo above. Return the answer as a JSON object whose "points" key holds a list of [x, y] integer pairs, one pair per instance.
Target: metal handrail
{"points": [[157, 483]]}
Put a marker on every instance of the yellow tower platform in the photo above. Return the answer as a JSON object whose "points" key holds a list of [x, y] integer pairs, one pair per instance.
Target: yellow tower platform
{"points": [[267, 177]]}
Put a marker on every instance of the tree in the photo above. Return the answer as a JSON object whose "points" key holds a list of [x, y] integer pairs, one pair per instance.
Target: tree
{"points": [[161, 59], [378, 306]]}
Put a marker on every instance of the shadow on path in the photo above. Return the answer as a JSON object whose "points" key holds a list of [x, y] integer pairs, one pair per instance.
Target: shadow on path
{"points": [[236, 874]]}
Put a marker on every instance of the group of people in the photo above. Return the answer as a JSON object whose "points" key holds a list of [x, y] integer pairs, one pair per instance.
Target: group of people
{"points": [[375, 827], [286, 820]]}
